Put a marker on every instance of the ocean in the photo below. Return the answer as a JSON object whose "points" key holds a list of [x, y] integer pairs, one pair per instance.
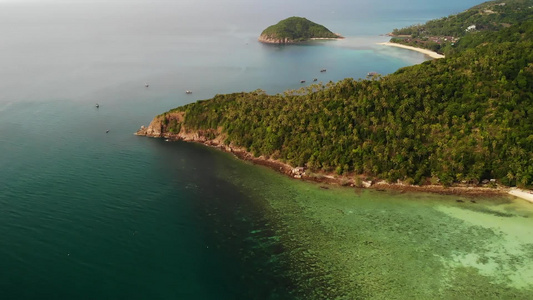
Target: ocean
{"points": [[91, 214]]}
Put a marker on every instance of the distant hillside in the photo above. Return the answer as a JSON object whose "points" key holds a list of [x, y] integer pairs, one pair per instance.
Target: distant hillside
{"points": [[440, 35], [293, 30]]}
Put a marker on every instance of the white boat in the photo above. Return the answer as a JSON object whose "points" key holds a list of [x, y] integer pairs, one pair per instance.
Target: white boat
{"points": [[188, 92]]}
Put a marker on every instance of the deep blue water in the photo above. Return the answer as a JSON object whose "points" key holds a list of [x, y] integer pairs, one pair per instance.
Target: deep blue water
{"points": [[85, 214]]}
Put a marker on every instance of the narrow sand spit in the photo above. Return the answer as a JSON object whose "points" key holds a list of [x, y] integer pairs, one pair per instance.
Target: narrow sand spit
{"points": [[427, 52], [524, 194]]}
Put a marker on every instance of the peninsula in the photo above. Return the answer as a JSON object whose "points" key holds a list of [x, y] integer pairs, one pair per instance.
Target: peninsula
{"points": [[465, 120], [294, 30], [443, 35]]}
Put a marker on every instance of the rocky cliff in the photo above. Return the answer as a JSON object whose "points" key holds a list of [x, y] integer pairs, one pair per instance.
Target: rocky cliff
{"points": [[275, 40], [169, 126]]}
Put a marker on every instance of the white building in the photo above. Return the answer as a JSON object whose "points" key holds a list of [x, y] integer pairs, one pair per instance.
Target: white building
{"points": [[471, 28]]}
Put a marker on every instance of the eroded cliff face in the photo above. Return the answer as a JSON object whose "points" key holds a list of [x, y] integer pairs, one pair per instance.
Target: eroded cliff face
{"points": [[166, 125], [170, 126], [274, 40], [153, 130]]}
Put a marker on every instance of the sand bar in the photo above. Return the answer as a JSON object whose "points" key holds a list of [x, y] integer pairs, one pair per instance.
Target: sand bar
{"points": [[524, 194], [427, 52]]}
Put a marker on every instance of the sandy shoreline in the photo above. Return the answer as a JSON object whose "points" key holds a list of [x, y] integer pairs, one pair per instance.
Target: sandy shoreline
{"points": [[427, 52], [523, 194]]}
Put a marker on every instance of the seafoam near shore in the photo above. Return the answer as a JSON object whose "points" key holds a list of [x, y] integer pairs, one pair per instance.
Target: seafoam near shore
{"points": [[427, 52]]}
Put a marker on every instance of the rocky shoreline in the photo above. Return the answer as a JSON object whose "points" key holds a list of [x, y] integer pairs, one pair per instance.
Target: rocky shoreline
{"points": [[156, 130], [286, 41], [269, 40]]}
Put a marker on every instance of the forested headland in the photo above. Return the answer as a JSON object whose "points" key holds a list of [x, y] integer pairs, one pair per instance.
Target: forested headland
{"points": [[442, 35], [465, 118]]}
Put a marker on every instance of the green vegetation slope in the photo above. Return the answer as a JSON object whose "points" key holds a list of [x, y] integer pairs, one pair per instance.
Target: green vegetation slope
{"points": [[440, 35], [295, 29], [464, 118]]}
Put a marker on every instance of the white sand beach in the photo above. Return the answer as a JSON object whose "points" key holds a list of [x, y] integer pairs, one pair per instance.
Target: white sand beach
{"points": [[427, 52], [524, 194]]}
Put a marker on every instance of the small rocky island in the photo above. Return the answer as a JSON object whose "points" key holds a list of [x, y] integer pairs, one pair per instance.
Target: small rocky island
{"points": [[294, 30]]}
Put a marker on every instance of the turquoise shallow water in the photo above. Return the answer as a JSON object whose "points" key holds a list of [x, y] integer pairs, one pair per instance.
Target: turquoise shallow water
{"points": [[85, 214], [356, 243]]}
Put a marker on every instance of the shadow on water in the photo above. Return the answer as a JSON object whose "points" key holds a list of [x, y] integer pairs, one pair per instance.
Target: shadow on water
{"points": [[254, 238], [485, 210], [244, 257]]}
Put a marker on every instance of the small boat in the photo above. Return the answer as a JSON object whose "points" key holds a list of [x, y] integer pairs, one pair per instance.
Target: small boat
{"points": [[107, 131], [146, 85], [323, 70], [97, 105], [302, 81], [315, 79], [188, 92]]}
